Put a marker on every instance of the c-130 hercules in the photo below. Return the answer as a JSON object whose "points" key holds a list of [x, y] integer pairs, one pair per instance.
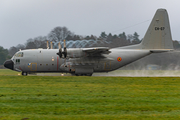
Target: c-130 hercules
{"points": [[86, 61]]}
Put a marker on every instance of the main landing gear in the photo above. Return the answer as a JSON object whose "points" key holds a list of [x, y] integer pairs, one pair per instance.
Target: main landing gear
{"points": [[83, 74], [24, 73]]}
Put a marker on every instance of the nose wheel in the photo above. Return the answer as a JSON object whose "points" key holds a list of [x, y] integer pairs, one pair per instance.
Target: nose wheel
{"points": [[24, 73]]}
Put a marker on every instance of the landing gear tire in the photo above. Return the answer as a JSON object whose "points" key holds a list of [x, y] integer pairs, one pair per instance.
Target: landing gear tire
{"points": [[24, 73], [83, 74]]}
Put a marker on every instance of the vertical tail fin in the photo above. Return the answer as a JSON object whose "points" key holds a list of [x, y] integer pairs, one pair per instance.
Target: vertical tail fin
{"points": [[158, 35]]}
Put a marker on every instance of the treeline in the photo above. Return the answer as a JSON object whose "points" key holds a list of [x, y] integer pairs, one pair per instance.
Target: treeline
{"points": [[58, 34], [3, 55]]}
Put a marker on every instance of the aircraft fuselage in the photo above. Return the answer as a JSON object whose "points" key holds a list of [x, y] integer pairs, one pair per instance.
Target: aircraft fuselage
{"points": [[46, 60]]}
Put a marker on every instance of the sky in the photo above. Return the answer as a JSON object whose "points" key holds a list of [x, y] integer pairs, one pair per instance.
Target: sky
{"points": [[24, 19]]}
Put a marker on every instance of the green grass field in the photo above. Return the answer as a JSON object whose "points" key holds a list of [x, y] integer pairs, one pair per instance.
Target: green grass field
{"points": [[89, 98]]}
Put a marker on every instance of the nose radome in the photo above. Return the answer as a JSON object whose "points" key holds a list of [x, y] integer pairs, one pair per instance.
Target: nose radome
{"points": [[9, 64]]}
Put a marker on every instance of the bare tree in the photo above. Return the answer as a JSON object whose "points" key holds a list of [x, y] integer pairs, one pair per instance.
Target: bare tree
{"points": [[59, 34], [3, 54], [30, 44], [12, 50], [20, 46], [40, 42]]}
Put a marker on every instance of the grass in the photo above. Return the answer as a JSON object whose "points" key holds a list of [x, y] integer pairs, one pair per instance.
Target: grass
{"points": [[7, 72], [56, 97]]}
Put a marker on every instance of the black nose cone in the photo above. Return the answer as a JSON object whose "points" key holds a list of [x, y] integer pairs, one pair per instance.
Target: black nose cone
{"points": [[9, 64]]}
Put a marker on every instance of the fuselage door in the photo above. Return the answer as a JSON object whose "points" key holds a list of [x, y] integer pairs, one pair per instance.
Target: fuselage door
{"points": [[107, 66], [33, 66]]}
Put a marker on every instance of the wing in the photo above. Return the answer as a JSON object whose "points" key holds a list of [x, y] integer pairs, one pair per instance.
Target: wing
{"points": [[87, 52], [90, 57]]}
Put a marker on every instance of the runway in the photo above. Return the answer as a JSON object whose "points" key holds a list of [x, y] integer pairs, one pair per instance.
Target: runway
{"points": [[127, 73]]}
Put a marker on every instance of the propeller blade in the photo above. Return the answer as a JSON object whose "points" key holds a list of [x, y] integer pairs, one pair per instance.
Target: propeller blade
{"points": [[51, 45], [47, 45], [59, 44], [64, 43], [60, 50], [65, 50]]}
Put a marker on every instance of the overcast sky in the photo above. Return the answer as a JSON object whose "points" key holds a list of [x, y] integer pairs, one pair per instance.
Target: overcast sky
{"points": [[24, 19]]}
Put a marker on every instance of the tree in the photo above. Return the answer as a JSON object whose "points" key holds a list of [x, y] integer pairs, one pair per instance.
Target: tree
{"points": [[20, 47], [59, 34], [30, 44], [130, 37], [103, 35], [123, 36], [3, 54], [135, 38], [69, 37], [43, 44], [176, 44], [76, 37], [12, 50], [87, 38], [93, 37], [115, 36], [109, 37], [40, 42]]}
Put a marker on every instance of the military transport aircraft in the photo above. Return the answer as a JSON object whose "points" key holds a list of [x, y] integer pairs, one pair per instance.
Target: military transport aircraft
{"points": [[86, 61]]}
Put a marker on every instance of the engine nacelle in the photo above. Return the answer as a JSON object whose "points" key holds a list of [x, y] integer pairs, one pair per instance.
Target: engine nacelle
{"points": [[75, 53]]}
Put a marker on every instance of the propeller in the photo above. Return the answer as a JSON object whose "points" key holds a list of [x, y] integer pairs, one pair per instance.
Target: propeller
{"points": [[60, 50], [65, 50], [51, 45]]}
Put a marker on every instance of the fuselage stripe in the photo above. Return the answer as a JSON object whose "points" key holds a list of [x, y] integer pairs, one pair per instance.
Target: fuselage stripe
{"points": [[20, 68]]}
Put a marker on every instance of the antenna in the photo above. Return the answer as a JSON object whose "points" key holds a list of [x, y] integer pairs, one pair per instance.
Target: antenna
{"points": [[65, 50]]}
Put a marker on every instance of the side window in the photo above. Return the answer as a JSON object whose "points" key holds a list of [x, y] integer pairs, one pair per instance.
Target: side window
{"points": [[17, 61]]}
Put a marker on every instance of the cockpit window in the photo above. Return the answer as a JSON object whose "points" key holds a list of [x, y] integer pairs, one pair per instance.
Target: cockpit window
{"points": [[19, 54]]}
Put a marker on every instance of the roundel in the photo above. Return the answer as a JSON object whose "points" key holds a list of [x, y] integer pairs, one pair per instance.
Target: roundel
{"points": [[119, 59]]}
